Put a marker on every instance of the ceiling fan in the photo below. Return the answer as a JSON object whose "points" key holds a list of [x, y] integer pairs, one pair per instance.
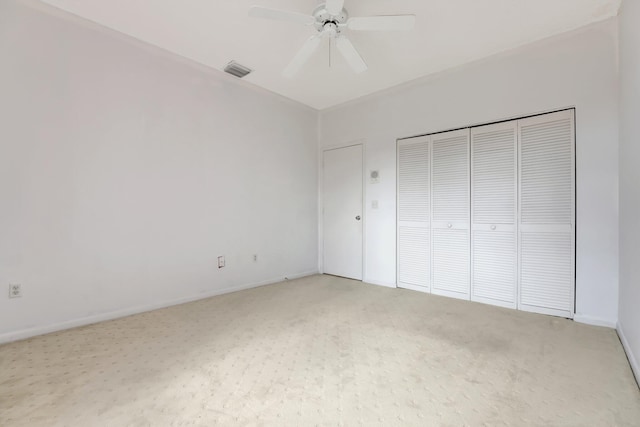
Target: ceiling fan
{"points": [[331, 19]]}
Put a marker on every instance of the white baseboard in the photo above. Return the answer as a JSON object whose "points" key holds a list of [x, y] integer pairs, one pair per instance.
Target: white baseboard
{"points": [[289, 277], [377, 283], [88, 320], [594, 321], [635, 367]]}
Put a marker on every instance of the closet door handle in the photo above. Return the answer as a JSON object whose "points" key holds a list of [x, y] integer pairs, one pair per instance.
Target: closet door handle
{"points": [[358, 218]]}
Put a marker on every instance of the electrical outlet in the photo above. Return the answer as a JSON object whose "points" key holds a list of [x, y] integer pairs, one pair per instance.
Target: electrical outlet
{"points": [[15, 290], [255, 258], [221, 262]]}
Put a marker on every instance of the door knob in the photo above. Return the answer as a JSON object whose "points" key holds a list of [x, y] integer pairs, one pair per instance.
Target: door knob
{"points": [[358, 218]]}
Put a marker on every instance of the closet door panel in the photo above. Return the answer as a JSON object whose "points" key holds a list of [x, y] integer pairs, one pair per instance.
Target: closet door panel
{"points": [[495, 267], [451, 262], [450, 177], [414, 247], [414, 213], [546, 273], [493, 200], [547, 212], [450, 213]]}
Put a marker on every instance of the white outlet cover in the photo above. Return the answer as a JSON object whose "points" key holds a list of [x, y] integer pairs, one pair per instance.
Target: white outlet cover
{"points": [[374, 204], [15, 290]]}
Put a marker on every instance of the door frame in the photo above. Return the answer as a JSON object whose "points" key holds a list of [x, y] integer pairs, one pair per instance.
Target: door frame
{"points": [[322, 150]]}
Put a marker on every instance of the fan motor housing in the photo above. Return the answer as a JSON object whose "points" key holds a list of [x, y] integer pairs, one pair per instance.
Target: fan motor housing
{"points": [[323, 17]]}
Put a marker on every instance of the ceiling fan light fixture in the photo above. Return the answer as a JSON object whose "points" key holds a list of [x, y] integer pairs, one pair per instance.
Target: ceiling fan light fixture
{"points": [[330, 18]]}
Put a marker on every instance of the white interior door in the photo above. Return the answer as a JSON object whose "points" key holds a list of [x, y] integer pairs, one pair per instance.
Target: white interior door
{"points": [[494, 251], [342, 215], [547, 213], [414, 214], [450, 212]]}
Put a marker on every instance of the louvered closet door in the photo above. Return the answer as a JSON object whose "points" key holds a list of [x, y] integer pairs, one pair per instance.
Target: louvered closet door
{"points": [[547, 212], [494, 252], [450, 213], [414, 213]]}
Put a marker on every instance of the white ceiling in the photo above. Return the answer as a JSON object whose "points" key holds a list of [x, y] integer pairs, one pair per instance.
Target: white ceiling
{"points": [[448, 33]]}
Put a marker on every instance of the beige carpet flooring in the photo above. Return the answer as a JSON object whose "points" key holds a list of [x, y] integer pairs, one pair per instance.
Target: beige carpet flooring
{"points": [[321, 351]]}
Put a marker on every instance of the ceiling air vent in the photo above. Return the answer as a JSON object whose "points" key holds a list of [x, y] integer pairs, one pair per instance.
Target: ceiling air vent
{"points": [[236, 69]]}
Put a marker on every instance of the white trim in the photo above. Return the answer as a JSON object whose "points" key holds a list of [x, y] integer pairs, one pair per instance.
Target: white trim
{"points": [[594, 321], [635, 367], [345, 144], [520, 116], [378, 283], [88, 320], [365, 204]]}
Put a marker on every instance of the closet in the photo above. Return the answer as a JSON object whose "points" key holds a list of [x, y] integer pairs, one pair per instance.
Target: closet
{"points": [[487, 213]]}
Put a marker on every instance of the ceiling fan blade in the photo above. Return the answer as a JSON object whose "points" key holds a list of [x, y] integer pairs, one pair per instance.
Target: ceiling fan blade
{"points": [[334, 7], [302, 56], [349, 52], [383, 23], [280, 15]]}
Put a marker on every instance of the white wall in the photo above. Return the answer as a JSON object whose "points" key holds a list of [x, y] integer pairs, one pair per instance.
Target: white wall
{"points": [[124, 174], [576, 69], [629, 317]]}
